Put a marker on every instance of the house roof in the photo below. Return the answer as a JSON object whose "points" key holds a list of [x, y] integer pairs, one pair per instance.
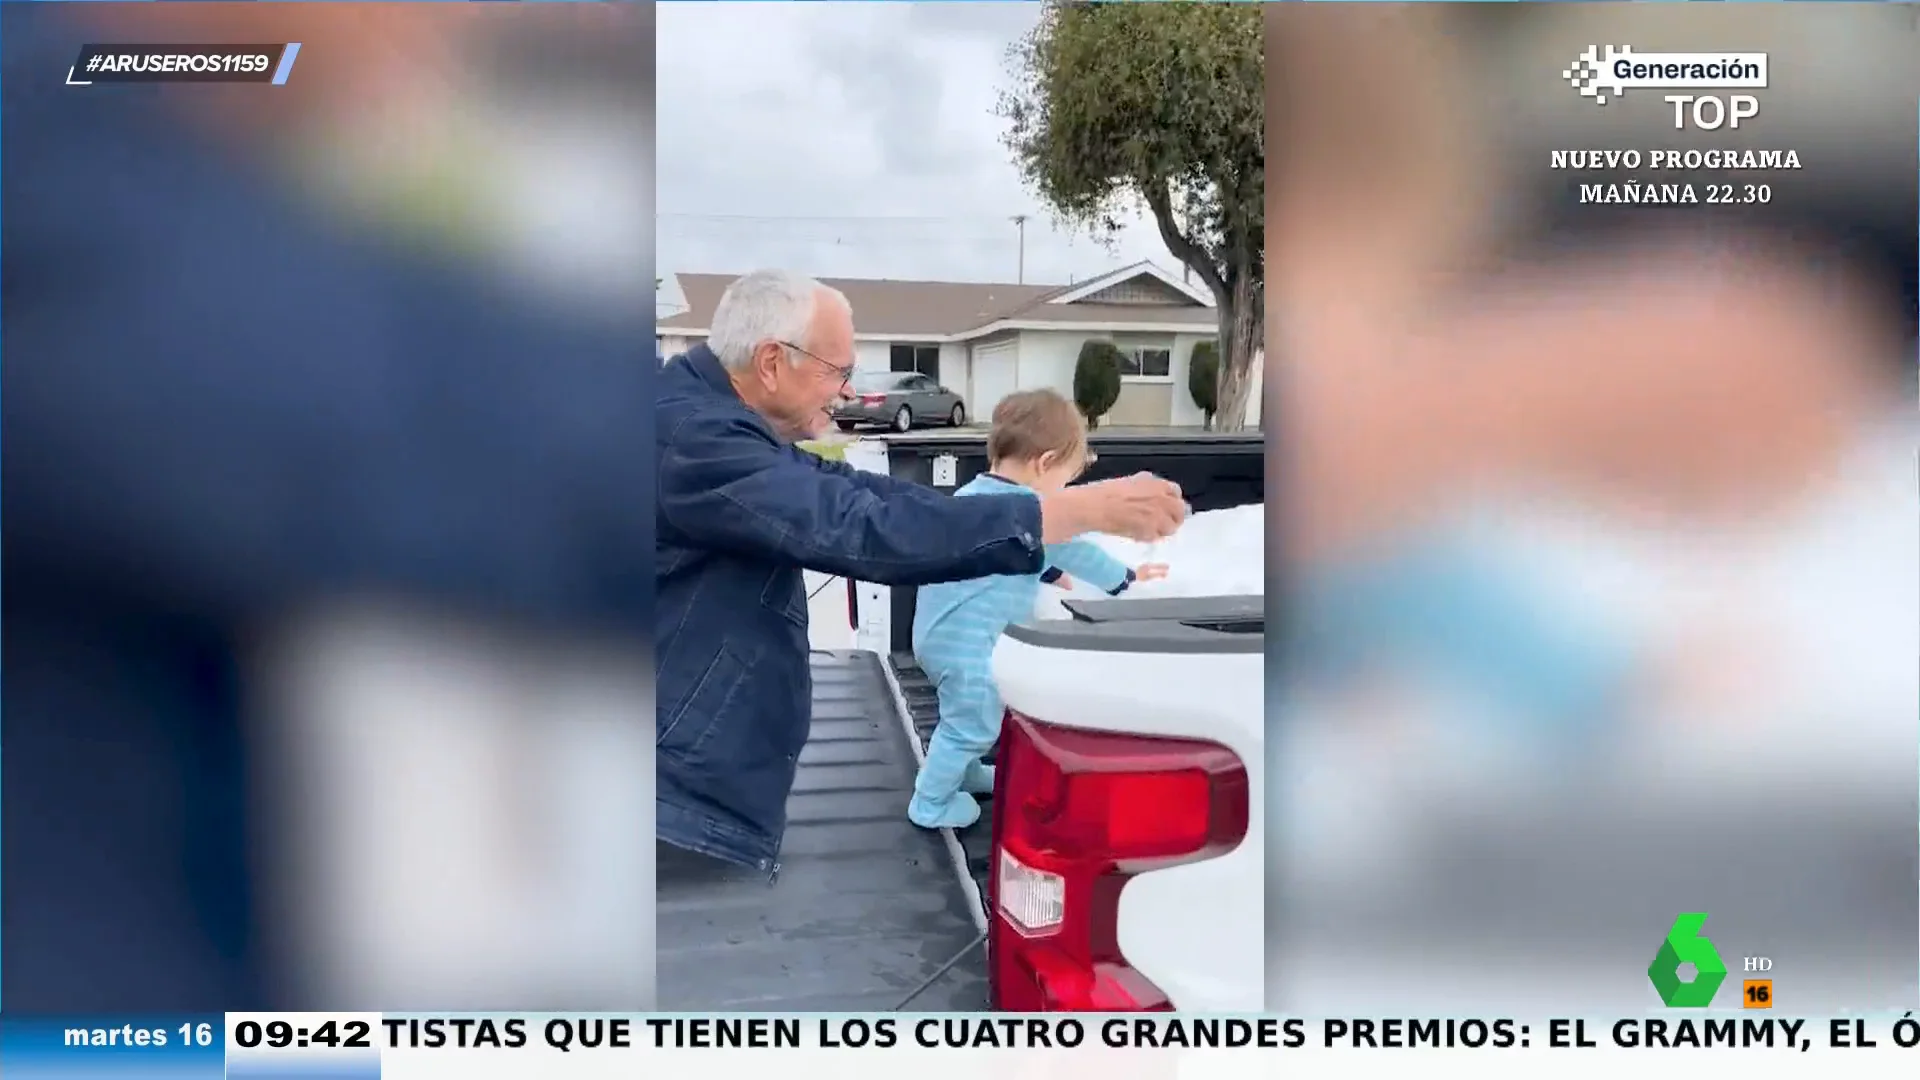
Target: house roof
{"points": [[961, 310]]}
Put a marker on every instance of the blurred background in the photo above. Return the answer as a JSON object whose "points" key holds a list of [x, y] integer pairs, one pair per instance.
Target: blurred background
{"points": [[1598, 521], [328, 513]]}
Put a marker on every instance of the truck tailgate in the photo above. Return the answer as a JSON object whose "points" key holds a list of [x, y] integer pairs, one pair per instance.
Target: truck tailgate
{"points": [[866, 907]]}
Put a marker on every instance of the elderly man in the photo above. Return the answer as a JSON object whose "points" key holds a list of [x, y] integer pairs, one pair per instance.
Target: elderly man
{"points": [[742, 512]]}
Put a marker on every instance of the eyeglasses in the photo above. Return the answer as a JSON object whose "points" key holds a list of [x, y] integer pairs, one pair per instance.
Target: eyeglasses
{"points": [[843, 373]]}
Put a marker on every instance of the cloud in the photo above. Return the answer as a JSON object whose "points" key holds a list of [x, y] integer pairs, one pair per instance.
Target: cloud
{"points": [[853, 140]]}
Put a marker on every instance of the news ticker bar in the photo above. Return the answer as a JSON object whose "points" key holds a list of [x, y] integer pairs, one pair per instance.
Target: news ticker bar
{"points": [[371, 1046], [272, 64]]}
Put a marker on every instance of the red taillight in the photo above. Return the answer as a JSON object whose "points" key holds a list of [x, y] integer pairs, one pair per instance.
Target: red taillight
{"points": [[1076, 815], [873, 399]]}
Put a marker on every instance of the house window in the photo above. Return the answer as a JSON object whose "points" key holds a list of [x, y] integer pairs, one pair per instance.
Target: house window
{"points": [[924, 359], [1145, 362]]}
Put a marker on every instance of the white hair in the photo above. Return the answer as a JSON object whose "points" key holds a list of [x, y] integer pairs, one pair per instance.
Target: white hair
{"points": [[766, 305]]}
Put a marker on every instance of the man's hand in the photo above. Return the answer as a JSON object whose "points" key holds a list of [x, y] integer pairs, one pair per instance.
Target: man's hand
{"points": [[1152, 571], [1140, 507]]}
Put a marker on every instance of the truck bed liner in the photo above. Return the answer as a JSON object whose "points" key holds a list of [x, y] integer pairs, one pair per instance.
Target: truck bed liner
{"points": [[866, 907]]}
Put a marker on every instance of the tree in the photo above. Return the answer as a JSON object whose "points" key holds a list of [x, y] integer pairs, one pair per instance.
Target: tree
{"points": [[1203, 377], [1096, 379], [1120, 105]]}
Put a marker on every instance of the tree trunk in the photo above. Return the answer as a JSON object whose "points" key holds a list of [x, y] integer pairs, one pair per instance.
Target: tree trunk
{"points": [[1242, 326]]}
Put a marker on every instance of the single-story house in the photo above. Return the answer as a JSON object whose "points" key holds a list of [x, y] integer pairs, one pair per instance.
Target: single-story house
{"points": [[985, 341]]}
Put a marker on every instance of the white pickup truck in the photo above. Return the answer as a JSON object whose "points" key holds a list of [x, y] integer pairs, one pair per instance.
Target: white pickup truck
{"points": [[1119, 864], [1127, 848]]}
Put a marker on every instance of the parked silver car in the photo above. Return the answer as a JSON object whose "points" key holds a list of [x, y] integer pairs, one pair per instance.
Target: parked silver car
{"points": [[900, 400]]}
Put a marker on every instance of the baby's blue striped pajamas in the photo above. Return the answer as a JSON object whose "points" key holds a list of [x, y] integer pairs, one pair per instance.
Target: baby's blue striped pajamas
{"points": [[955, 628]]}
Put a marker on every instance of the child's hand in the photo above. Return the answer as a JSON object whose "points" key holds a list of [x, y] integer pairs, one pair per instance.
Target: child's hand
{"points": [[1063, 582], [1152, 571]]}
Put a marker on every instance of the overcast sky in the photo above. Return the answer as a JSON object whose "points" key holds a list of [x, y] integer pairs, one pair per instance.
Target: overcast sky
{"points": [[852, 140]]}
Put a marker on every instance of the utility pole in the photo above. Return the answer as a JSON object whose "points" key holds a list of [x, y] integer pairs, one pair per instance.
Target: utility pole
{"points": [[1020, 222]]}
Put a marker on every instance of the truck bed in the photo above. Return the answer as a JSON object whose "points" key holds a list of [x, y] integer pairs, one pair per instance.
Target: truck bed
{"points": [[866, 907]]}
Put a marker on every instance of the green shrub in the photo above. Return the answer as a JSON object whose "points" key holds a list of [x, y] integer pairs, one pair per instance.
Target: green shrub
{"points": [[1096, 379], [1203, 377]]}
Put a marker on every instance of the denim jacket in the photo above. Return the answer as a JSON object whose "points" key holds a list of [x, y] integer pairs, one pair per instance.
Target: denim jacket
{"points": [[741, 514]]}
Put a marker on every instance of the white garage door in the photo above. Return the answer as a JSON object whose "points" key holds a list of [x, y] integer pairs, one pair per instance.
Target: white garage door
{"points": [[996, 373]]}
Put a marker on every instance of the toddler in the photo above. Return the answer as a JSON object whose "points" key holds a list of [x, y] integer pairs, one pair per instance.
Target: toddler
{"points": [[1038, 444]]}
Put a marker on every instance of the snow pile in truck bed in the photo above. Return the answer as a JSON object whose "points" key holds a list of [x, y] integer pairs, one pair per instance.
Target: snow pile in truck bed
{"points": [[1216, 553]]}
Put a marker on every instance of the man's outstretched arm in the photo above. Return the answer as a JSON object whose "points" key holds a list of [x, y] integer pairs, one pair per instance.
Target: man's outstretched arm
{"points": [[724, 483]]}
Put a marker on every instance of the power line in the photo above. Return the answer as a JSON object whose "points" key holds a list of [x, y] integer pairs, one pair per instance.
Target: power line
{"points": [[883, 236], [902, 230], [885, 228], [861, 240], [979, 219]]}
